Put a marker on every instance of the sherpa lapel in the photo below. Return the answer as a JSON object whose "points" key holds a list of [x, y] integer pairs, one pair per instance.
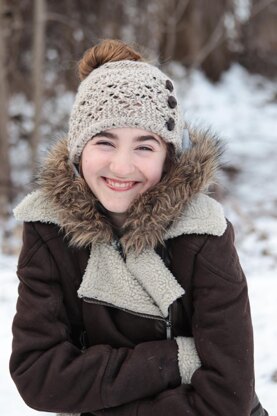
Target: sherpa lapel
{"points": [[142, 284]]}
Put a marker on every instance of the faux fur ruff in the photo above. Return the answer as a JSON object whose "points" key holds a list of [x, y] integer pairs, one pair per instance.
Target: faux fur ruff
{"points": [[77, 209]]}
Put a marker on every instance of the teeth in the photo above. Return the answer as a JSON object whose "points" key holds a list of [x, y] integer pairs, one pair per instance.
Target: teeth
{"points": [[121, 185]]}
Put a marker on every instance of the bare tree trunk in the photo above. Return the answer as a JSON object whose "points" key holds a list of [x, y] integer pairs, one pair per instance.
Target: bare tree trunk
{"points": [[259, 38], [38, 49], [5, 170], [174, 12], [202, 39]]}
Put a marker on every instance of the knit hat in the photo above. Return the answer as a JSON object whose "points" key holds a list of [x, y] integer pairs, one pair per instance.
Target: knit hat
{"points": [[125, 94]]}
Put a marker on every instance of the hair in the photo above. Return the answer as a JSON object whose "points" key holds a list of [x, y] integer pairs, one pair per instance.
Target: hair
{"points": [[171, 157], [109, 50]]}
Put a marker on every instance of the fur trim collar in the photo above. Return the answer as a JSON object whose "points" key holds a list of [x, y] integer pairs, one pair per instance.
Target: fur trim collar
{"points": [[202, 215], [173, 207]]}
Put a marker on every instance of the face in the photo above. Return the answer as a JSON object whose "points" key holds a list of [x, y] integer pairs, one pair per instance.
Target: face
{"points": [[120, 164]]}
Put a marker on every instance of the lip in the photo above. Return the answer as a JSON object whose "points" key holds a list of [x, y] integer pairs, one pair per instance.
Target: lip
{"points": [[132, 184]]}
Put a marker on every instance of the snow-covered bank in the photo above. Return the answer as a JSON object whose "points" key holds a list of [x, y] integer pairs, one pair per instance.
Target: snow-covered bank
{"points": [[10, 402]]}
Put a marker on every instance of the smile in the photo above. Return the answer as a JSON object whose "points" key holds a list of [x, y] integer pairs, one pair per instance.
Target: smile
{"points": [[117, 185]]}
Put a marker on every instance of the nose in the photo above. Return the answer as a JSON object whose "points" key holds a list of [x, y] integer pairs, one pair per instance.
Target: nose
{"points": [[122, 165]]}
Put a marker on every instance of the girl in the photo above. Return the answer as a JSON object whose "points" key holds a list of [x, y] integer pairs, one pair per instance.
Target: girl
{"points": [[131, 300]]}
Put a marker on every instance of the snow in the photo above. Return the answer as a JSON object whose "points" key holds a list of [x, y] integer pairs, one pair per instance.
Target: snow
{"points": [[242, 109], [10, 402], [243, 9]]}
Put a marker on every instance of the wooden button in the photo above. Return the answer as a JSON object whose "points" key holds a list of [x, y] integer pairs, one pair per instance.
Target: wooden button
{"points": [[170, 124], [172, 102], [169, 85]]}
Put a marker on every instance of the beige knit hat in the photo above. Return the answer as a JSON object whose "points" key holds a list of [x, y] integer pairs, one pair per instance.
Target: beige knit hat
{"points": [[125, 94]]}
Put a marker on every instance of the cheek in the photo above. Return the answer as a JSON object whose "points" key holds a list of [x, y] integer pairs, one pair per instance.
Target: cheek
{"points": [[86, 167], [156, 177], [91, 163], [155, 171]]}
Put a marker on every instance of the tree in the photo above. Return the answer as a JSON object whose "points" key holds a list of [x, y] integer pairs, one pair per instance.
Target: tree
{"points": [[5, 171], [259, 38], [38, 66]]}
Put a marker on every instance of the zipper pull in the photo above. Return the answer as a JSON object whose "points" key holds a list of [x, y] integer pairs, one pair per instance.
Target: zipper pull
{"points": [[118, 246], [83, 340], [168, 329], [168, 323]]}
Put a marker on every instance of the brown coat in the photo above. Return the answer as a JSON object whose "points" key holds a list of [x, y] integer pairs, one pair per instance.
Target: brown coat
{"points": [[83, 356]]}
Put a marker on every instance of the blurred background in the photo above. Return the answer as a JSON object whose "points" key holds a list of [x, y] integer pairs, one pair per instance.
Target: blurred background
{"points": [[222, 55]]}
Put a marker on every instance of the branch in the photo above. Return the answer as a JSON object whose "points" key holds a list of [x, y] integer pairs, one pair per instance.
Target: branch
{"points": [[215, 39], [57, 17], [218, 36], [175, 17], [260, 7], [72, 23]]}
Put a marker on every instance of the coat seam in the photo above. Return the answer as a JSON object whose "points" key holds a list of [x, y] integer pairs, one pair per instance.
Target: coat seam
{"points": [[39, 242], [220, 273]]}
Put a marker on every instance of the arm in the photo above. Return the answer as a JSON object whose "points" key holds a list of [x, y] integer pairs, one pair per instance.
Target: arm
{"points": [[51, 373], [222, 329]]}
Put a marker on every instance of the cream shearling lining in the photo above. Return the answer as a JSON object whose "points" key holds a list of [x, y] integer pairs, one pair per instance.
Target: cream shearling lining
{"points": [[68, 414], [188, 358], [142, 284], [36, 207]]}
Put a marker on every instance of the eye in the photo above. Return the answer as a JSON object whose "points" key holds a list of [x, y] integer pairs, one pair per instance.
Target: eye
{"points": [[145, 148], [104, 143]]}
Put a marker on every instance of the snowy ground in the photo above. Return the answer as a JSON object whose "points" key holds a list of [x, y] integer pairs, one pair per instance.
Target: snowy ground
{"points": [[243, 110]]}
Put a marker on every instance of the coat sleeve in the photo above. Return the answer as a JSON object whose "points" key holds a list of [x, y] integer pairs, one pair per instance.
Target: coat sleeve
{"points": [[51, 373], [222, 330]]}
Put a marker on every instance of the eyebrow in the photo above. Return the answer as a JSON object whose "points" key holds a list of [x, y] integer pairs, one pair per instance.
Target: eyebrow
{"points": [[138, 138]]}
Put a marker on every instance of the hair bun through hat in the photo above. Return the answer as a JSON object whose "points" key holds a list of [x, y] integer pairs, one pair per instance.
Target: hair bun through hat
{"points": [[109, 50]]}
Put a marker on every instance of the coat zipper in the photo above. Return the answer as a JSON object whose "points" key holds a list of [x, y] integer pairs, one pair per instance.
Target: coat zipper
{"points": [[167, 321]]}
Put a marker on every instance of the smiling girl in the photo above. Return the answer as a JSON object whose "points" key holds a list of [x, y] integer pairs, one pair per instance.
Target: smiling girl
{"points": [[131, 299]]}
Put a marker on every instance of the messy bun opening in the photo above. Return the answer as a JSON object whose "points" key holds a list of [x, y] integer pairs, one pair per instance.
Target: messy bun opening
{"points": [[109, 50]]}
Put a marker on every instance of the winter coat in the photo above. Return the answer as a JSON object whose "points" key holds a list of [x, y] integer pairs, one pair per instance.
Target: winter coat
{"points": [[109, 326]]}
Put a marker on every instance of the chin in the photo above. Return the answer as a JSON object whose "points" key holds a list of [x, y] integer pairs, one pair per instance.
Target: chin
{"points": [[116, 210]]}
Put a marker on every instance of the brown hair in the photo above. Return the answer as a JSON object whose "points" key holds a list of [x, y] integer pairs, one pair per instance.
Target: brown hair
{"points": [[109, 50]]}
